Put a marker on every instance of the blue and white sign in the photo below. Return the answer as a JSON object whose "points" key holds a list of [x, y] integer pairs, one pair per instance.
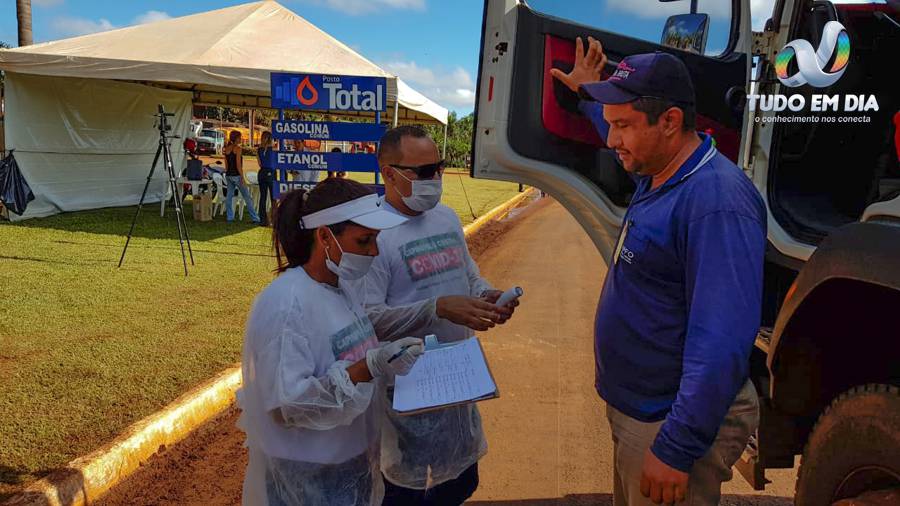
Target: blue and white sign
{"points": [[305, 160], [286, 186], [327, 92], [301, 130]]}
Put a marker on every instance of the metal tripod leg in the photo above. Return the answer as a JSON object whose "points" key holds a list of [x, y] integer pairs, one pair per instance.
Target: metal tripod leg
{"points": [[184, 226], [141, 202], [179, 211], [183, 236]]}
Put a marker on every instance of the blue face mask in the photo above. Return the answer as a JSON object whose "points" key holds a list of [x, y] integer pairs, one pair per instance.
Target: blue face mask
{"points": [[352, 266]]}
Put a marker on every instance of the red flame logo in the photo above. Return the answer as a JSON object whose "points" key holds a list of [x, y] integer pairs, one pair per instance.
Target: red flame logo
{"points": [[314, 93]]}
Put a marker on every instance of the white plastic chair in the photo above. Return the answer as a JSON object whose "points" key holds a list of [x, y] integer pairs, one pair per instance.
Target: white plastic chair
{"points": [[239, 205], [167, 195], [222, 200], [219, 197], [253, 182]]}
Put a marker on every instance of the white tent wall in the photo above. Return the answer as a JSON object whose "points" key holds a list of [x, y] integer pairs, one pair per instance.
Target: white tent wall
{"points": [[89, 143]]}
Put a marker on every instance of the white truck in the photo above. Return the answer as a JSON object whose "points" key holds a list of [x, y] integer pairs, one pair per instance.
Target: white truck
{"points": [[826, 364]]}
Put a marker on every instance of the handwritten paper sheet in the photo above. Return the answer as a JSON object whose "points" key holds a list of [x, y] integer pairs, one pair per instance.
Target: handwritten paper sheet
{"points": [[443, 376]]}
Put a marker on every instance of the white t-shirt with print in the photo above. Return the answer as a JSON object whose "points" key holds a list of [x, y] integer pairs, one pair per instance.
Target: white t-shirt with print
{"points": [[424, 258]]}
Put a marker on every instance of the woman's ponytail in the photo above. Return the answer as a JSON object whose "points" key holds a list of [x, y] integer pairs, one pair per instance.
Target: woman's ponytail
{"points": [[292, 244]]}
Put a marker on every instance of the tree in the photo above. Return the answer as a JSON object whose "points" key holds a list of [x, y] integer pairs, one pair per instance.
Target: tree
{"points": [[459, 138], [225, 114], [3, 45], [23, 14]]}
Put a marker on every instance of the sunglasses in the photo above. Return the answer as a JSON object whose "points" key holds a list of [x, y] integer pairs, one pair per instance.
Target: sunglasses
{"points": [[426, 171]]}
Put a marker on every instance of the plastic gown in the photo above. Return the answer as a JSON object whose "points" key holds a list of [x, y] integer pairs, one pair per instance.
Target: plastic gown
{"points": [[421, 260], [312, 434]]}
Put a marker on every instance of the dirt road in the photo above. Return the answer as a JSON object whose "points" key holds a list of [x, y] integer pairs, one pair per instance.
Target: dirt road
{"points": [[549, 443]]}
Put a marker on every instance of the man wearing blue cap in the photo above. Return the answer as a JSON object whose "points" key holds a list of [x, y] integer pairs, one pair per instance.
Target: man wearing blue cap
{"points": [[681, 303]]}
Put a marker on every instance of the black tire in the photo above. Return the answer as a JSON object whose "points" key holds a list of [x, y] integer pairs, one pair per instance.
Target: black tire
{"points": [[854, 447]]}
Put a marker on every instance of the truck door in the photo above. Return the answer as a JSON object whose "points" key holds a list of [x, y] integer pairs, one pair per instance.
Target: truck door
{"points": [[528, 128]]}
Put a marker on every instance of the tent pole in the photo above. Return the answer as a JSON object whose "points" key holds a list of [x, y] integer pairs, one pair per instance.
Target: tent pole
{"points": [[252, 117], [396, 111], [280, 172], [378, 122], [444, 156]]}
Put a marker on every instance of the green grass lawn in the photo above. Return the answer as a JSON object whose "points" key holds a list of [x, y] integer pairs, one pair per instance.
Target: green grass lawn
{"points": [[87, 349]]}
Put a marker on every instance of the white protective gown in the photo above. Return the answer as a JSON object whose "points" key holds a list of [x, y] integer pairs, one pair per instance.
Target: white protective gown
{"points": [[425, 258], [301, 336]]}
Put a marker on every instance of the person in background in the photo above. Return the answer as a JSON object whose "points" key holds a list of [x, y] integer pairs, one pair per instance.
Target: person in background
{"points": [[672, 362], [190, 172], [234, 177], [265, 177], [340, 173], [306, 175]]}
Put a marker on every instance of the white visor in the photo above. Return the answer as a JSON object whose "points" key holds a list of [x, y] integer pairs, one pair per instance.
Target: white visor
{"points": [[366, 211]]}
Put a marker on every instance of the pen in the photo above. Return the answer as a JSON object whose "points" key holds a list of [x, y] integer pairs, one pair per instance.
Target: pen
{"points": [[397, 355]]}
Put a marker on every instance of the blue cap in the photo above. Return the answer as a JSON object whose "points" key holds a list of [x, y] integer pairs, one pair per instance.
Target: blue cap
{"points": [[657, 75]]}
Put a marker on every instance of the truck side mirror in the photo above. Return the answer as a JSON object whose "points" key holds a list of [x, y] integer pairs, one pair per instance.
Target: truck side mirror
{"points": [[687, 32]]}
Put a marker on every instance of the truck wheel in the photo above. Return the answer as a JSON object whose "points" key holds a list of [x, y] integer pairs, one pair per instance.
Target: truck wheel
{"points": [[853, 448]]}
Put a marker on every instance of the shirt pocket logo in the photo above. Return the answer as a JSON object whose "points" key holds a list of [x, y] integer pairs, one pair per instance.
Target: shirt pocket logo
{"points": [[632, 245]]}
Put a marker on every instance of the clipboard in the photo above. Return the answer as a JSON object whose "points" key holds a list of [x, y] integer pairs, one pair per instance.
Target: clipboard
{"points": [[446, 376]]}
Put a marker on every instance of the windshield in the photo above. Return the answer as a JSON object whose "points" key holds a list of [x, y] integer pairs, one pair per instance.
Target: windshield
{"points": [[208, 133], [644, 19]]}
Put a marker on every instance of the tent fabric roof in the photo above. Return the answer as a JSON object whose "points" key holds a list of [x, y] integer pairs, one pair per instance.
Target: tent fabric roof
{"points": [[225, 51]]}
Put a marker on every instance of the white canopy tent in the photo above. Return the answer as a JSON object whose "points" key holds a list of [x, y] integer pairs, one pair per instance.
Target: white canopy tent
{"points": [[79, 110]]}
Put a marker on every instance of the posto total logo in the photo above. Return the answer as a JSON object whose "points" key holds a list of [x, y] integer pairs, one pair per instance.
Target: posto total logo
{"points": [[306, 88], [812, 63]]}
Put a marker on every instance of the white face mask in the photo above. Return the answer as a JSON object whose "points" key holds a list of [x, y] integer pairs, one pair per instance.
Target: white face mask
{"points": [[425, 193], [352, 266]]}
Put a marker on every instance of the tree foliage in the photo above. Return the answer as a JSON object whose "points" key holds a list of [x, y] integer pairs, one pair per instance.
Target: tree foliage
{"points": [[459, 138], [3, 45], [459, 130]]}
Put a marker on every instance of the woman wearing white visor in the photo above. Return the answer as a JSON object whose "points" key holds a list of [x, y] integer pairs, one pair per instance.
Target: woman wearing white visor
{"points": [[311, 360]]}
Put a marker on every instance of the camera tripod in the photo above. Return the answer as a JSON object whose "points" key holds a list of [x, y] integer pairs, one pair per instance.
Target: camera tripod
{"points": [[163, 149]]}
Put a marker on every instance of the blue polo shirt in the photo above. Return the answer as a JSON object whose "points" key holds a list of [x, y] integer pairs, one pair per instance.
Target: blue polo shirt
{"points": [[681, 304]]}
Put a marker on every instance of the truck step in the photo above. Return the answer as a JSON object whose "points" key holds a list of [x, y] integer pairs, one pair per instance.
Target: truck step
{"points": [[749, 467], [764, 339]]}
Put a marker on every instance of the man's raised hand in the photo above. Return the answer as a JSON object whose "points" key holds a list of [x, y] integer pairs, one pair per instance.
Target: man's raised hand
{"points": [[588, 67]]}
